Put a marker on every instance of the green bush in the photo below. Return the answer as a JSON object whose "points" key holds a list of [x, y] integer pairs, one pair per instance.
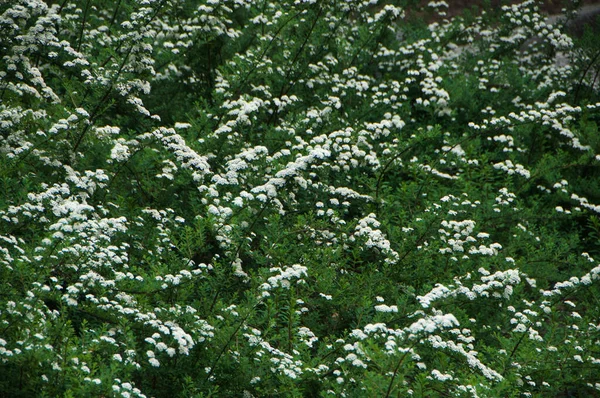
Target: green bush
{"points": [[297, 198]]}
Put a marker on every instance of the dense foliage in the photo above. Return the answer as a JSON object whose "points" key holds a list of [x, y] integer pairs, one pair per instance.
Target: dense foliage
{"points": [[297, 198]]}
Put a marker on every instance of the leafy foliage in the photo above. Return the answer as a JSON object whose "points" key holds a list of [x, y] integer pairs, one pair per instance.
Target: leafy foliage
{"points": [[297, 198]]}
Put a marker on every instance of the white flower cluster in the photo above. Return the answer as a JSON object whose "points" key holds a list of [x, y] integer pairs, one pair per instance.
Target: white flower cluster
{"points": [[497, 285], [281, 362], [368, 227], [120, 152], [428, 329], [511, 168], [285, 277]]}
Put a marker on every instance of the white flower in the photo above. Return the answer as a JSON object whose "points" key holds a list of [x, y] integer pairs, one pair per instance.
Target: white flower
{"points": [[120, 152], [441, 376], [386, 308]]}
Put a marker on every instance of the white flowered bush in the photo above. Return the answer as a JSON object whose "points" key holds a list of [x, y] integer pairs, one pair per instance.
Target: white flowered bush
{"points": [[297, 198]]}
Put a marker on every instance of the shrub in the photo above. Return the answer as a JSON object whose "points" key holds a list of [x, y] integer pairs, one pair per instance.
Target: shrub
{"points": [[296, 198]]}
